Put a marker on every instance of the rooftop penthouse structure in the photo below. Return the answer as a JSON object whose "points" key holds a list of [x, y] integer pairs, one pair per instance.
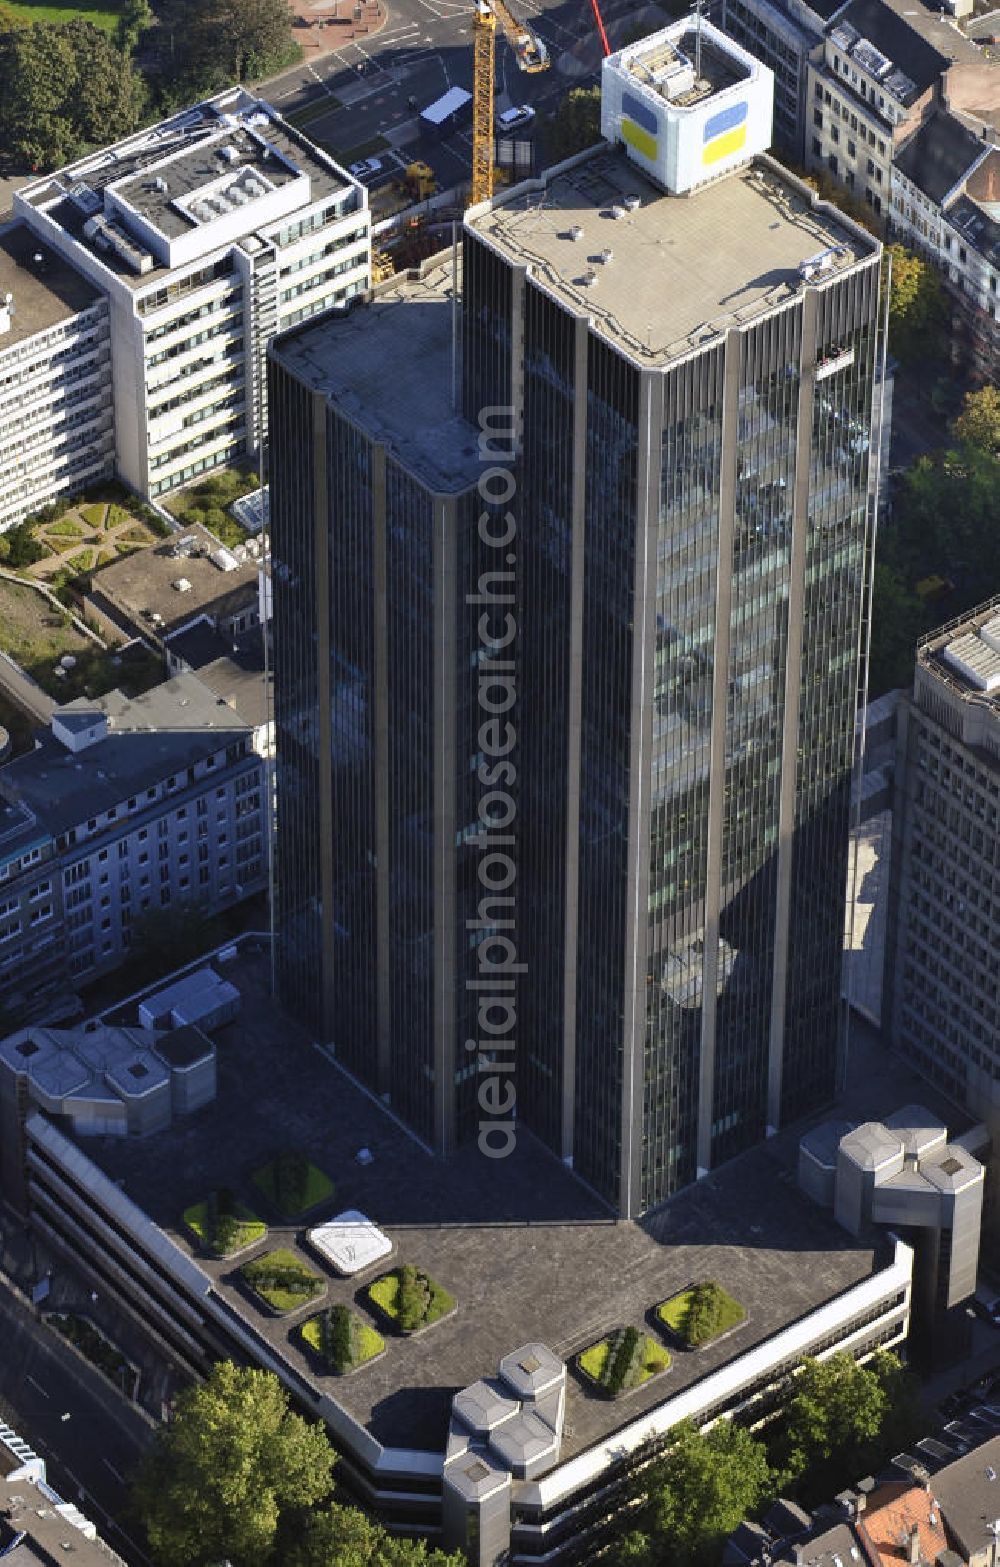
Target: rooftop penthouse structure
{"points": [[207, 234]]}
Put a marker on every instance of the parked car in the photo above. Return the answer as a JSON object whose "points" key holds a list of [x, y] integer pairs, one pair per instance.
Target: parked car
{"points": [[366, 169], [514, 119]]}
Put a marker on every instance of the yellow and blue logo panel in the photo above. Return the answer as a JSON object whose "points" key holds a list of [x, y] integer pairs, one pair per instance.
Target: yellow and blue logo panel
{"points": [[639, 126], [724, 133]]}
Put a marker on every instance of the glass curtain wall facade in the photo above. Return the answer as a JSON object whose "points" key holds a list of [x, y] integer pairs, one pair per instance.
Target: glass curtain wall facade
{"points": [[692, 578], [690, 564]]}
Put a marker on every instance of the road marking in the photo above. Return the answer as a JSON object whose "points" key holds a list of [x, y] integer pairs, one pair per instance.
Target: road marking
{"points": [[38, 1387], [118, 1476]]}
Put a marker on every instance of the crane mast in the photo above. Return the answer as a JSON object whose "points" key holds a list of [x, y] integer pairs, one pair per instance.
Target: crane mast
{"points": [[531, 55]]}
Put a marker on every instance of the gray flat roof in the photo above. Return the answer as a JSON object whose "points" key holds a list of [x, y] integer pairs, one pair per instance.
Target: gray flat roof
{"points": [[142, 582], [202, 165], [167, 729], [192, 134], [527, 1252], [683, 268], [965, 654], [388, 366], [46, 288]]}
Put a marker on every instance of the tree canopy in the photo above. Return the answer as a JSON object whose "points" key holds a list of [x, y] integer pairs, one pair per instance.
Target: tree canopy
{"points": [[344, 1537], [67, 87], [576, 124], [944, 522], [217, 42], [234, 1461], [697, 1494], [917, 310], [978, 425], [237, 1477]]}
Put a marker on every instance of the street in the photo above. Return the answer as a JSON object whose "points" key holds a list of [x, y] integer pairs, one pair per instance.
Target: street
{"points": [[356, 100], [59, 1405]]}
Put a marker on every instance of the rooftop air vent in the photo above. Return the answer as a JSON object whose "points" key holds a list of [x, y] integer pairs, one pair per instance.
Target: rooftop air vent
{"points": [[576, 232], [606, 256], [632, 202], [589, 279], [617, 212], [160, 184]]}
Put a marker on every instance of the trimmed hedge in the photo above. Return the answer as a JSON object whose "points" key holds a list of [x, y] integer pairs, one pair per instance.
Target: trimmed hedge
{"points": [[223, 1224], [282, 1280], [409, 1298], [292, 1185], [625, 1359], [341, 1340], [700, 1314]]}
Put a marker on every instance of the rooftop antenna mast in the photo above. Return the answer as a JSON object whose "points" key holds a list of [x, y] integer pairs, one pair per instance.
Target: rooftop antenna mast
{"points": [[697, 40]]}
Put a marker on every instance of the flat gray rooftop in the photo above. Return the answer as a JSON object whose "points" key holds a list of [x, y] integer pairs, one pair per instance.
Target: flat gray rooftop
{"points": [[683, 268], [527, 1252], [388, 366], [202, 165], [142, 584], [164, 731], [192, 135], [46, 288]]}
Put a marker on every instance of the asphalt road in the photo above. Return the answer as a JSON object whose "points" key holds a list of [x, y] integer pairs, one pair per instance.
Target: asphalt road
{"points": [[362, 90], [89, 1437]]}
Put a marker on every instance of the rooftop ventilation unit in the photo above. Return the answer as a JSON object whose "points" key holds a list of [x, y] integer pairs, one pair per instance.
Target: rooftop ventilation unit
{"points": [[576, 232], [633, 202], [588, 280], [182, 585], [618, 212], [606, 256], [83, 197], [228, 153], [160, 184]]}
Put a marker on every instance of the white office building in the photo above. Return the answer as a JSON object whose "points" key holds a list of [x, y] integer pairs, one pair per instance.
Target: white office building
{"points": [[207, 234], [56, 425]]}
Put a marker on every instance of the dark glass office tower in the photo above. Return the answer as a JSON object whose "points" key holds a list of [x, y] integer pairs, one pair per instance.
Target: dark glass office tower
{"points": [[689, 380]]}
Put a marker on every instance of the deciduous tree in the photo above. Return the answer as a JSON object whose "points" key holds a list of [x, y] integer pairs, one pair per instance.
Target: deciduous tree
{"points": [[234, 1461], [65, 87], [344, 1537], [917, 310], [575, 125], [978, 425], [697, 1495]]}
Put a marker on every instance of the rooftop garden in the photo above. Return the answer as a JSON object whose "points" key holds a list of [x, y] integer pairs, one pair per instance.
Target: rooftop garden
{"points": [[340, 1340], [223, 1225], [700, 1314], [293, 1186], [624, 1360], [409, 1299], [209, 500], [282, 1281], [39, 636]]}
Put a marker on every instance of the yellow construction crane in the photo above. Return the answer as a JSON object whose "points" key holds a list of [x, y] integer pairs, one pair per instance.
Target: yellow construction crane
{"points": [[531, 55]]}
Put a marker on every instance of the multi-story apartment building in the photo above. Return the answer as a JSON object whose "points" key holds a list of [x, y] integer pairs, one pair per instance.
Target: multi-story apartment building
{"points": [[867, 90], [31, 949], [56, 425], [134, 804], [688, 418], [942, 985], [783, 36], [207, 234], [946, 206]]}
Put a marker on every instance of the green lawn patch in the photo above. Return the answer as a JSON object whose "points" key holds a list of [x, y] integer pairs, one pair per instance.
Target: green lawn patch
{"points": [[94, 513], [282, 1280], [82, 561], [625, 1359], [292, 1185], [341, 1340], [102, 15], [698, 1315], [66, 528], [224, 1225], [409, 1299]]}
